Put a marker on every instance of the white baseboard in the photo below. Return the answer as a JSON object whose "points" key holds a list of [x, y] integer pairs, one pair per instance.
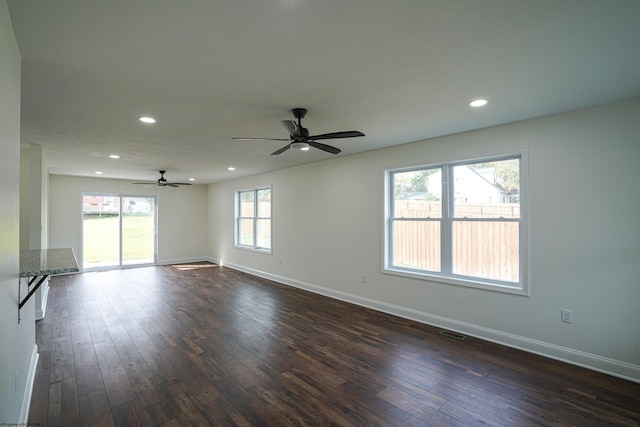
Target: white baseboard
{"points": [[183, 260], [28, 389], [594, 362]]}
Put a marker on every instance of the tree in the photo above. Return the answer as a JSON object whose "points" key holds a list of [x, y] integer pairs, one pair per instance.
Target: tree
{"points": [[419, 181], [506, 172]]}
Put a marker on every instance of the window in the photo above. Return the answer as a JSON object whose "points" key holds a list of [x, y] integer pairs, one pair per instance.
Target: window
{"points": [[253, 219], [461, 222]]}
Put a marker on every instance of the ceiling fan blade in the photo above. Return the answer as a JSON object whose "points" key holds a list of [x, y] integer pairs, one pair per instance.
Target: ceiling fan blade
{"points": [[282, 150], [145, 183], [291, 127], [336, 135], [178, 183], [169, 185], [324, 147], [261, 139]]}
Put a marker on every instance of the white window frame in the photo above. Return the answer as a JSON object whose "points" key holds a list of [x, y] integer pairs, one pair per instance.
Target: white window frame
{"points": [[522, 287], [255, 218]]}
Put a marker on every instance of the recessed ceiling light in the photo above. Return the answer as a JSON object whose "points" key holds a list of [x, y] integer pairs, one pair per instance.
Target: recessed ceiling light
{"points": [[478, 103], [147, 119], [98, 173], [114, 156], [192, 179], [231, 168]]}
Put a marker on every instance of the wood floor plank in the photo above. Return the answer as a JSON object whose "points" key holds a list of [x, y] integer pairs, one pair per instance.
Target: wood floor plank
{"points": [[372, 408], [40, 397], [409, 401], [130, 414], [200, 344], [69, 402], [62, 363], [122, 342], [80, 333], [142, 382], [88, 378], [54, 410], [114, 376], [159, 366], [95, 409], [321, 402], [159, 337]]}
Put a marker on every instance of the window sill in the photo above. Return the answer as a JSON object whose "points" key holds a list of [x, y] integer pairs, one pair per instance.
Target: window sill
{"points": [[515, 289], [252, 249]]}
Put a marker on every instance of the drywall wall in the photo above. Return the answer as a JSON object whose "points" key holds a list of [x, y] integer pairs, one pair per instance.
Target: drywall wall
{"points": [[25, 184], [33, 202], [32, 196], [18, 356], [181, 215], [584, 238]]}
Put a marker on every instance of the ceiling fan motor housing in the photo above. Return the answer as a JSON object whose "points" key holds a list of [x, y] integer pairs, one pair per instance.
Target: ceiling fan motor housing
{"points": [[299, 113]]}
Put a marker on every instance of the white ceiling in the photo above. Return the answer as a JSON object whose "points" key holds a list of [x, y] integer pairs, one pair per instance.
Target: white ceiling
{"points": [[399, 71]]}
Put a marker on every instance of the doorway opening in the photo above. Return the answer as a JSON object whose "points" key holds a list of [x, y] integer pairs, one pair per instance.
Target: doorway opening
{"points": [[118, 230]]}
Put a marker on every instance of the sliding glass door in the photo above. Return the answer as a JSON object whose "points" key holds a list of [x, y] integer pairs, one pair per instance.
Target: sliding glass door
{"points": [[118, 230], [138, 230]]}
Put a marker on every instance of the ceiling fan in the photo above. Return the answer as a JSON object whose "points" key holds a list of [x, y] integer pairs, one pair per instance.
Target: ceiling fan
{"points": [[162, 182], [299, 136]]}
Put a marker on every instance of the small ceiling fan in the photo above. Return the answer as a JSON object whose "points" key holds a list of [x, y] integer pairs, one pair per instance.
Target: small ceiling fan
{"points": [[299, 136], [162, 182]]}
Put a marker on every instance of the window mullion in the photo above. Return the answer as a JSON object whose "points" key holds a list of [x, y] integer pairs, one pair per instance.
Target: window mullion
{"points": [[446, 225], [255, 219], [120, 231]]}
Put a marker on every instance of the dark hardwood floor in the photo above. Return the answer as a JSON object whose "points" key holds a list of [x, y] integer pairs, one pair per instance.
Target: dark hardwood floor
{"points": [[204, 345]]}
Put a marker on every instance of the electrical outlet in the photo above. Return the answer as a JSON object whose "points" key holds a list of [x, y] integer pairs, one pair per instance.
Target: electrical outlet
{"points": [[280, 261], [365, 278], [566, 315]]}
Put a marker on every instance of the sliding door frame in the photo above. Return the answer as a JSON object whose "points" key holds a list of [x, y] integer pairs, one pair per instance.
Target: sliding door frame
{"points": [[121, 197]]}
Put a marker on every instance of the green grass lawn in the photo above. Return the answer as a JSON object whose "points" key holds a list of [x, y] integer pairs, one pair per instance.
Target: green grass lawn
{"points": [[101, 246]]}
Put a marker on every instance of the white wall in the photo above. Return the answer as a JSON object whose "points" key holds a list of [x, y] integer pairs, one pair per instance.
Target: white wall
{"points": [[32, 197], [181, 215], [19, 352], [584, 244], [33, 208]]}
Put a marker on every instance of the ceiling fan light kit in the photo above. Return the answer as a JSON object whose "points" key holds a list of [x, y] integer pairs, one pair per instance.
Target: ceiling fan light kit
{"points": [[299, 136]]}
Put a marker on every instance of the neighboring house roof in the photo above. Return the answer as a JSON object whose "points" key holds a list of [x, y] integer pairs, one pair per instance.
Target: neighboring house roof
{"points": [[480, 187]]}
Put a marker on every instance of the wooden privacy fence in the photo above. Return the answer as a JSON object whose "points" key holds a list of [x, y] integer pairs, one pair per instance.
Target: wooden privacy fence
{"points": [[480, 249], [433, 209]]}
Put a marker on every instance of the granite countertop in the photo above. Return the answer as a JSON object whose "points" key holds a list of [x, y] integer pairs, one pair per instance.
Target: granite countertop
{"points": [[41, 262]]}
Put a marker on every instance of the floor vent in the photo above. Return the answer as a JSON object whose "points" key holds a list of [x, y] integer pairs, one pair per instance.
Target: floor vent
{"points": [[454, 335]]}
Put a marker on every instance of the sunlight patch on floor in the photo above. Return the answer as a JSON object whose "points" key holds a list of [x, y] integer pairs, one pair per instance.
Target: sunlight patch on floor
{"points": [[186, 267]]}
